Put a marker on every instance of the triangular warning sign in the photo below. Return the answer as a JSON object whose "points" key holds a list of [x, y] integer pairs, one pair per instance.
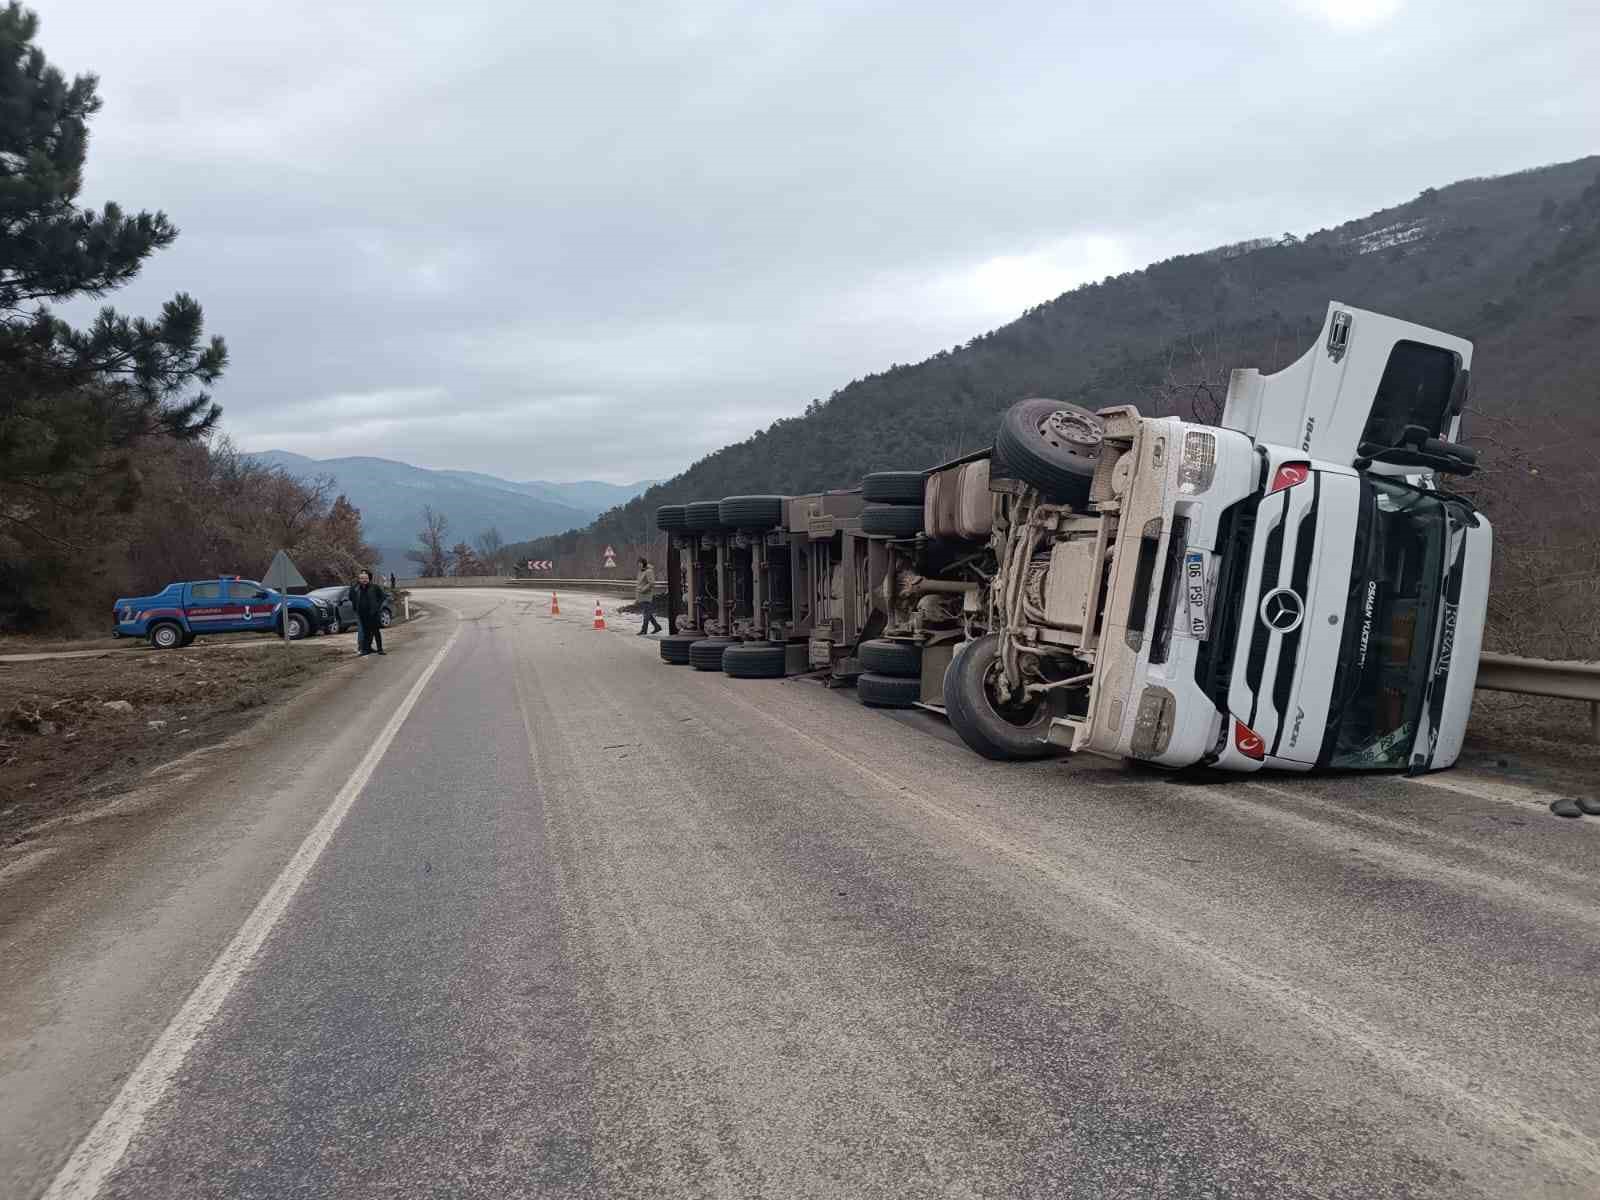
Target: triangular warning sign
{"points": [[283, 574], [610, 553]]}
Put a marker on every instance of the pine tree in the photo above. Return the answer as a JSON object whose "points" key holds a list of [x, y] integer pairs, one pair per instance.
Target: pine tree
{"points": [[75, 402]]}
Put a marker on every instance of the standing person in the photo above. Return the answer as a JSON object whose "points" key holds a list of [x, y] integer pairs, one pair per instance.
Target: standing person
{"points": [[391, 581], [644, 593], [367, 599]]}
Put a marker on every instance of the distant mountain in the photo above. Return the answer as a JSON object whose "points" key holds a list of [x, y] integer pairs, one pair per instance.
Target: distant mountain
{"points": [[584, 493], [1512, 263], [391, 496]]}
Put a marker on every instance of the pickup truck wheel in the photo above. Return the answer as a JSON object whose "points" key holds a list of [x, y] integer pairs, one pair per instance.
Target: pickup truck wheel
{"points": [[884, 657], [895, 520], [385, 618], [166, 636], [755, 660], [1003, 732], [1053, 445], [298, 626], [888, 691], [675, 649], [894, 487]]}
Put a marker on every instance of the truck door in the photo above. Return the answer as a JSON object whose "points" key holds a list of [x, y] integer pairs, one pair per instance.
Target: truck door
{"points": [[1366, 378], [205, 607], [249, 605]]}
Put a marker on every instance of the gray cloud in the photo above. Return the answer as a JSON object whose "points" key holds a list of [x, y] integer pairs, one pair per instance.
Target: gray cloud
{"points": [[601, 240]]}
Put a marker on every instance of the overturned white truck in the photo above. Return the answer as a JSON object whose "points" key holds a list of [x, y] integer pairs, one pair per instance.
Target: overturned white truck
{"points": [[1292, 589]]}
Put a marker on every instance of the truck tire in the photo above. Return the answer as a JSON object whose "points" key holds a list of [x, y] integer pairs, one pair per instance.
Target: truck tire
{"points": [[751, 512], [675, 649], [881, 656], [298, 626], [385, 618], [893, 520], [888, 691], [702, 515], [1053, 445], [755, 660], [706, 653], [1001, 734], [672, 517], [166, 635], [893, 487]]}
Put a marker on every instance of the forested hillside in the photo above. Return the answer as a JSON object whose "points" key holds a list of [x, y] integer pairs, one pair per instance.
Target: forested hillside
{"points": [[1511, 262]]}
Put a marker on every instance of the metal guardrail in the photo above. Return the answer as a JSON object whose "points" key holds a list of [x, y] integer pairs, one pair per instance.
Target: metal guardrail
{"points": [[1544, 677]]}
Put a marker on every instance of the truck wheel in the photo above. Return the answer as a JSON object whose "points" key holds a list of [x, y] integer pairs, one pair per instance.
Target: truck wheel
{"points": [[298, 626], [895, 520], [675, 649], [703, 515], [706, 653], [755, 660], [893, 487], [1053, 445], [751, 512], [888, 691], [166, 636], [386, 618], [1000, 732], [671, 517], [881, 656]]}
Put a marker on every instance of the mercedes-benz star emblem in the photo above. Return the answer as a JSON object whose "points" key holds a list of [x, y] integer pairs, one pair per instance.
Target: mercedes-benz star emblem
{"points": [[1282, 611]]}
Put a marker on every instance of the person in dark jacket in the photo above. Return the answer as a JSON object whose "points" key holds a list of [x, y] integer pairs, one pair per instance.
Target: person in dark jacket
{"points": [[367, 599]]}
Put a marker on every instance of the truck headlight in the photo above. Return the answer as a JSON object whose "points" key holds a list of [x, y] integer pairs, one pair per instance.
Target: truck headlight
{"points": [[1199, 464], [1152, 727]]}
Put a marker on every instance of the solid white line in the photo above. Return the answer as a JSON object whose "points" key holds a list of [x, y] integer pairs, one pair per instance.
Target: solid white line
{"points": [[1487, 789], [98, 1155]]}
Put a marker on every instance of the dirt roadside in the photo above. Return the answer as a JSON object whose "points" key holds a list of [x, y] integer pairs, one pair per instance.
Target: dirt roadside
{"points": [[74, 732]]}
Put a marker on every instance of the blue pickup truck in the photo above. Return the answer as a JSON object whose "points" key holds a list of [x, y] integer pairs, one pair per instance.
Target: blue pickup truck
{"points": [[180, 612]]}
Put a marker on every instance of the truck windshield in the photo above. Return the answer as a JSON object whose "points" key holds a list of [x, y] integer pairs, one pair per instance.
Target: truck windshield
{"points": [[1394, 594]]}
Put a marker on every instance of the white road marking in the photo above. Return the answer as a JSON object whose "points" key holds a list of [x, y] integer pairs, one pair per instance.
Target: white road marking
{"points": [[1488, 789], [99, 1154]]}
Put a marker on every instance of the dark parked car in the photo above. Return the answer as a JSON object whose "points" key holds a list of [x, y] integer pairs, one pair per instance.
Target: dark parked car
{"points": [[338, 599]]}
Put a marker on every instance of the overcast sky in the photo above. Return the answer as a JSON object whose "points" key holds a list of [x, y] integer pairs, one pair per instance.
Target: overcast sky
{"points": [[599, 240]]}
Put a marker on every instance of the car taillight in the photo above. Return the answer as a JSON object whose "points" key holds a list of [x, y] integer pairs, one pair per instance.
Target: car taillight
{"points": [[1247, 741], [1289, 475]]}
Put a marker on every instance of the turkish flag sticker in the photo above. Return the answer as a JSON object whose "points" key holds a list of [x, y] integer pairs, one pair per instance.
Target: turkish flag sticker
{"points": [[1247, 741]]}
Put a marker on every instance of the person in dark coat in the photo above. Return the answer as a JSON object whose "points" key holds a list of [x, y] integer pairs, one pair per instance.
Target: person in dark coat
{"points": [[367, 599]]}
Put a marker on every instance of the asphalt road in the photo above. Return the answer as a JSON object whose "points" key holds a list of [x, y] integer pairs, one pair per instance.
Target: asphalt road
{"points": [[596, 926]]}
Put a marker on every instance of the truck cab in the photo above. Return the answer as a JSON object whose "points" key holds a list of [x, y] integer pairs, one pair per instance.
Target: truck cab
{"points": [[1290, 590]]}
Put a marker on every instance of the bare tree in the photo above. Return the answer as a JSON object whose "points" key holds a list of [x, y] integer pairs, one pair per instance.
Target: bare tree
{"points": [[492, 550], [432, 557]]}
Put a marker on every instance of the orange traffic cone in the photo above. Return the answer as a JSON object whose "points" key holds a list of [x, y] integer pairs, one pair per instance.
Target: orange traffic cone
{"points": [[555, 605], [599, 617]]}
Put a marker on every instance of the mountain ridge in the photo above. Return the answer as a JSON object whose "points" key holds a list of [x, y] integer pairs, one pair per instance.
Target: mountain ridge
{"points": [[391, 495]]}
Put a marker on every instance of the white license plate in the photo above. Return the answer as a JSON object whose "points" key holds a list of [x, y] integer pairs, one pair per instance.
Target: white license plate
{"points": [[1194, 587]]}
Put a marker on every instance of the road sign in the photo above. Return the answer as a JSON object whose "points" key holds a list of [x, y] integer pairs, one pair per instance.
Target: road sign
{"points": [[610, 553], [611, 559], [280, 577], [283, 574], [540, 564]]}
